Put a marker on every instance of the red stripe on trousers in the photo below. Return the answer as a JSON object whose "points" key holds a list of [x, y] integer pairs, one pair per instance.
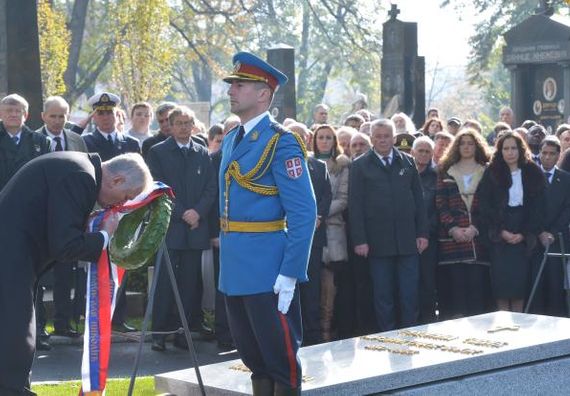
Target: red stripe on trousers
{"points": [[290, 354]]}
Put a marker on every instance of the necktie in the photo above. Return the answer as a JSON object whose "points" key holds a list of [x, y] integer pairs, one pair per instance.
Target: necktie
{"points": [[184, 150], [110, 139], [58, 146], [386, 160], [16, 140], [547, 175], [239, 136]]}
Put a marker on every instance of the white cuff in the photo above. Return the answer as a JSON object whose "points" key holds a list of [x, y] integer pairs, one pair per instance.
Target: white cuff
{"points": [[106, 237]]}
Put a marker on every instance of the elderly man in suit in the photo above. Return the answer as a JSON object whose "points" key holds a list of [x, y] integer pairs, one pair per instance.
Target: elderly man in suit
{"points": [[55, 116], [187, 168], [18, 143], [44, 209], [550, 296], [388, 224]]}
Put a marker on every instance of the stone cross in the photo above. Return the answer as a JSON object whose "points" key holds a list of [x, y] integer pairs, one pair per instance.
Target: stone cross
{"points": [[394, 11]]}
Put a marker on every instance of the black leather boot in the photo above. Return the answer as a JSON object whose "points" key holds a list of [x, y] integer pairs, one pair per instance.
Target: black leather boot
{"points": [[284, 390], [262, 386]]}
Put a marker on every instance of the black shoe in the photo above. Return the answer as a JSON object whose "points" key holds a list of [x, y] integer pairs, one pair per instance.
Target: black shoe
{"points": [[42, 345], [205, 331], [158, 345], [226, 346], [123, 328], [69, 332], [42, 333], [180, 342]]}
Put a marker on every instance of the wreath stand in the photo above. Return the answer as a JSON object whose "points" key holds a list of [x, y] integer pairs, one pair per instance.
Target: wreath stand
{"points": [[564, 258], [163, 257]]}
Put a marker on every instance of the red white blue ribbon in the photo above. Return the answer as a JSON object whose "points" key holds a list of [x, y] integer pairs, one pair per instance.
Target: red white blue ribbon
{"points": [[103, 281]]}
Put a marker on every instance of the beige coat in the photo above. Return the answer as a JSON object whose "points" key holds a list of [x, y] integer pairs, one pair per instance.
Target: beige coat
{"points": [[336, 249]]}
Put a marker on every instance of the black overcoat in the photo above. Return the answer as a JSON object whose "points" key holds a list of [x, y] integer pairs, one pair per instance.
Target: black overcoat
{"points": [[385, 205], [323, 195], [44, 209], [194, 183]]}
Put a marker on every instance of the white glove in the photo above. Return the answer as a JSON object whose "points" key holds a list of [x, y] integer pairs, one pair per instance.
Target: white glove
{"points": [[285, 287]]}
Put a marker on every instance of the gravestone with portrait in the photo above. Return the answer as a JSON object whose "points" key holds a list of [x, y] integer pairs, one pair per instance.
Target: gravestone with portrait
{"points": [[284, 104], [403, 71], [537, 53], [20, 55]]}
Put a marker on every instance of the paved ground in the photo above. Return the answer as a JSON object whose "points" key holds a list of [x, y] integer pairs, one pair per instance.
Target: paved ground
{"points": [[63, 362]]}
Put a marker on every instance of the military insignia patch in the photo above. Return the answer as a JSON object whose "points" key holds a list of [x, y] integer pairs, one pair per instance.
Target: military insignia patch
{"points": [[294, 167]]}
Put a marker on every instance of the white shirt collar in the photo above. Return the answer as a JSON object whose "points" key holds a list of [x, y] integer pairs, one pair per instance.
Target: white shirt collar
{"points": [[248, 126], [106, 134], [383, 156]]}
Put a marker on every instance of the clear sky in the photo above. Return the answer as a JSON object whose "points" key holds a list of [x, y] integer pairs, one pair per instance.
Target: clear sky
{"points": [[442, 37]]}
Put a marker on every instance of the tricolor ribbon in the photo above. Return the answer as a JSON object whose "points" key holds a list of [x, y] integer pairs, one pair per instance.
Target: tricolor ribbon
{"points": [[103, 281]]}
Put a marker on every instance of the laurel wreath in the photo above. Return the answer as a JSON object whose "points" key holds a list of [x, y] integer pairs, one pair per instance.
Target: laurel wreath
{"points": [[130, 252]]}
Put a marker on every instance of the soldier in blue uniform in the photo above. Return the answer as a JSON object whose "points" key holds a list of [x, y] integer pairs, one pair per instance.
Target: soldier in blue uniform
{"points": [[268, 215]]}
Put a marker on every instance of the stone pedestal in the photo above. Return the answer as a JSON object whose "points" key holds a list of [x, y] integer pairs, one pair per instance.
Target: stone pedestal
{"points": [[535, 359], [285, 102]]}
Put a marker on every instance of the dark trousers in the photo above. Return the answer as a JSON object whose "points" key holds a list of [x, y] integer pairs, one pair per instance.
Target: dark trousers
{"points": [[221, 326], [120, 312], [395, 280], [550, 296], [467, 290], [311, 299], [267, 341], [187, 266], [345, 301], [427, 293], [63, 279], [365, 320]]}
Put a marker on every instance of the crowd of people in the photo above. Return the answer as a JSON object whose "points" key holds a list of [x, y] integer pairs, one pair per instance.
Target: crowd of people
{"points": [[413, 225]]}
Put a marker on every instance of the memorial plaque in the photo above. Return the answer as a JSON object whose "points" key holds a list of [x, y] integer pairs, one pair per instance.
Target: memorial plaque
{"points": [[484, 354], [538, 55]]}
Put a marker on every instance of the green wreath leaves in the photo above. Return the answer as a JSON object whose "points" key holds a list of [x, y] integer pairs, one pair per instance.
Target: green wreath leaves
{"points": [[130, 253]]}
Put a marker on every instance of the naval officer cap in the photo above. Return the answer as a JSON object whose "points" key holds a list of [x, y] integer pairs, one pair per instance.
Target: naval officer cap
{"points": [[248, 67], [104, 101]]}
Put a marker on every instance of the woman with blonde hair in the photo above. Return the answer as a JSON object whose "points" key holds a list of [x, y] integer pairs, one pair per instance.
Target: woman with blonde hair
{"points": [[335, 254], [463, 260]]}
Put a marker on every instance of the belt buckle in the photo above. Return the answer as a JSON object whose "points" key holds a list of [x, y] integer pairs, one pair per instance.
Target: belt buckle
{"points": [[224, 224]]}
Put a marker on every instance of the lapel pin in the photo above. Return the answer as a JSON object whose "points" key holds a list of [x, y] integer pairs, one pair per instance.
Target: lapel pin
{"points": [[402, 172]]}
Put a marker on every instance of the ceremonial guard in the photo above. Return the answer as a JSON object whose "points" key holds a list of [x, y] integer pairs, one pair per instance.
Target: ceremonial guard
{"points": [[268, 215]]}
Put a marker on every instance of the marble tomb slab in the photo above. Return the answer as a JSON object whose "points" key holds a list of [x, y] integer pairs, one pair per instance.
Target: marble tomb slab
{"points": [[532, 353]]}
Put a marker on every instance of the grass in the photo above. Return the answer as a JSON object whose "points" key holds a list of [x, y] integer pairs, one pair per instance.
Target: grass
{"points": [[144, 386]]}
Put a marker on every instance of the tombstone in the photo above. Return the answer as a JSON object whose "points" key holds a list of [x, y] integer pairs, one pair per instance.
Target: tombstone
{"points": [[537, 53], [496, 353], [20, 55], [284, 102], [403, 71]]}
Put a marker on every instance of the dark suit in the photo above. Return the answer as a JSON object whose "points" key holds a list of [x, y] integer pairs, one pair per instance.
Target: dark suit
{"points": [[46, 205], [97, 143], [151, 141], [63, 272], [192, 178], [311, 290], [13, 157], [550, 295], [387, 212]]}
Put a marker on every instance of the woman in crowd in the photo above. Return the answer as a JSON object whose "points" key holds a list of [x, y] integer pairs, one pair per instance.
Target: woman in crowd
{"points": [[432, 126], [511, 197], [327, 148], [463, 259]]}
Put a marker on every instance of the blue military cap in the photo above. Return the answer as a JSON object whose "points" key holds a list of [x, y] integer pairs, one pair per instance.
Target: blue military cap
{"points": [[104, 101], [248, 67]]}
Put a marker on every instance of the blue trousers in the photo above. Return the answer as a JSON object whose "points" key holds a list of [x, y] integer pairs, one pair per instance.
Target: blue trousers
{"points": [[267, 341], [395, 281]]}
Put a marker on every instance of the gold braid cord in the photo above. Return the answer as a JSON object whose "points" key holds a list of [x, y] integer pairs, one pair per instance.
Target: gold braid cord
{"points": [[248, 181]]}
